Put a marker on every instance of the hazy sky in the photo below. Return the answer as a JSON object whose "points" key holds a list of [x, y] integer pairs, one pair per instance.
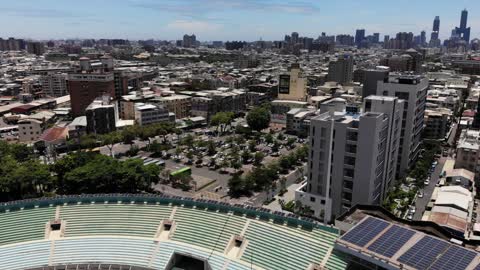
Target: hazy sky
{"points": [[227, 19]]}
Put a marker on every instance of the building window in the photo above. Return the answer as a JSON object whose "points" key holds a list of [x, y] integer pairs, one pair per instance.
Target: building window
{"points": [[312, 199], [347, 196]]}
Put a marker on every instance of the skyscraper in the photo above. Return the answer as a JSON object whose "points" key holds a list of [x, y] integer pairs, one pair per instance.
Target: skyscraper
{"points": [[463, 32], [423, 38], [359, 36], [434, 41], [295, 37], [463, 19]]}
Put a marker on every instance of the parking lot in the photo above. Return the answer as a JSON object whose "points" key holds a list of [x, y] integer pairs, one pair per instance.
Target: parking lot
{"points": [[214, 158]]}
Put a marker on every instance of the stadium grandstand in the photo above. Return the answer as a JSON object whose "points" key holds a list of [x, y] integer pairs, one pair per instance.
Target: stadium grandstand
{"points": [[122, 231]]}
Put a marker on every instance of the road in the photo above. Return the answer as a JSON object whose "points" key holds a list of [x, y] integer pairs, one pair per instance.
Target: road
{"points": [[421, 203]]}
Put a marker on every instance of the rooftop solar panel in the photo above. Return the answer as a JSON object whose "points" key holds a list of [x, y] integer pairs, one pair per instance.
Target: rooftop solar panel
{"points": [[424, 252], [454, 258], [391, 241], [365, 231]]}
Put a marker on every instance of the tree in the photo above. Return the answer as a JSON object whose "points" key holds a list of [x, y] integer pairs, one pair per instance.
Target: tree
{"points": [[129, 134], [290, 141], [252, 146], [235, 163], [283, 185], [103, 174], [211, 148], [222, 120], [246, 155], [236, 186], [146, 133], [275, 146], [110, 139], [88, 141], [189, 154], [269, 138], [188, 140], [258, 158], [258, 118]]}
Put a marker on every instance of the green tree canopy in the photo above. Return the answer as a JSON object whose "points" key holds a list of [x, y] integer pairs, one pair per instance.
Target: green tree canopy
{"points": [[258, 118]]}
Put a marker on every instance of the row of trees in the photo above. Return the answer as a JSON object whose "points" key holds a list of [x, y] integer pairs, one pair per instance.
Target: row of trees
{"points": [[264, 177], [127, 136], [23, 176], [419, 172]]}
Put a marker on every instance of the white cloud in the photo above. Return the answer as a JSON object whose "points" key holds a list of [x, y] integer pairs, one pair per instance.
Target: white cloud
{"points": [[194, 26]]}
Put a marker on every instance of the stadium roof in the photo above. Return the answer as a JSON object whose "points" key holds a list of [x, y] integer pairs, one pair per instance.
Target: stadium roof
{"points": [[145, 231]]}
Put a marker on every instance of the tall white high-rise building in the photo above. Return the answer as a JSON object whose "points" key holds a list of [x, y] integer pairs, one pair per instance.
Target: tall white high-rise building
{"points": [[352, 157], [413, 90]]}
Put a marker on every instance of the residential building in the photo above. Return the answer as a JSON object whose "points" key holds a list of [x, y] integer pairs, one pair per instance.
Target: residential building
{"points": [[341, 70], [393, 108], [29, 130], [293, 86], [180, 105], [36, 48], [146, 114], [352, 158], [370, 79], [413, 90], [101, 116], [437, 123], [298, 121], [189, 41], [468, 151], [89, 81], [207, 103], [54, 84]]}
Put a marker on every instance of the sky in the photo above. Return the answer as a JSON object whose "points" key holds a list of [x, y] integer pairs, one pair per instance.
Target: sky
{"points": [[227, 19]]}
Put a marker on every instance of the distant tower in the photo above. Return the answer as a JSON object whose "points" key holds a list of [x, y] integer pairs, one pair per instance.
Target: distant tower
{"points": [[463, 19], [423, 38], [359, 36], [434, 41], [463, 31], [295, 37]]}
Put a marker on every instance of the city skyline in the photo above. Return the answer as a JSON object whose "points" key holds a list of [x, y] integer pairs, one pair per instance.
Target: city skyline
{"points": [[226, 20]]}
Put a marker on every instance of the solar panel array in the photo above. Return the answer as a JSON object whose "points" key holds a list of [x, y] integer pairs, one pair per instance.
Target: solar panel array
{"points": [[424, 252], [455, 258], [391, 241], [364, 232]]}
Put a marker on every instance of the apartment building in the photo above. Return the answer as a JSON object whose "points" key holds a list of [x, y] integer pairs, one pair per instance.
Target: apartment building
{"points": [[54, 84], [351, 159], [468, 151], [180, 105], [413, 90], [146, 114]]}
